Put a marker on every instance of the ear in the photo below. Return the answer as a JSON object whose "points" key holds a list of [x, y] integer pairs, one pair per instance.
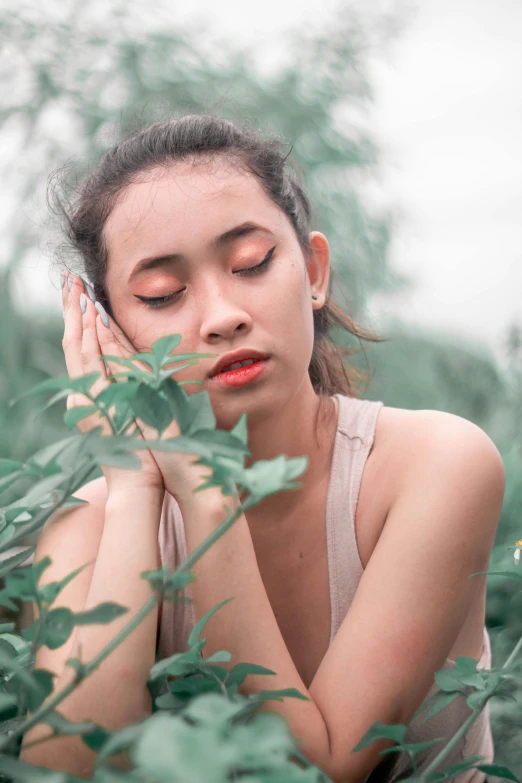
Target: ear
{"points": [[318, 268]]}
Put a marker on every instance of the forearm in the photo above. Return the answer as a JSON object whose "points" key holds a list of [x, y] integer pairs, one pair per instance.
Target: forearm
{"points": [[247, 626], [115, 694]]}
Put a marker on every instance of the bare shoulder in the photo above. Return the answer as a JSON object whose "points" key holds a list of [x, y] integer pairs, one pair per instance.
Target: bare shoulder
{"points": [[411, 435]]}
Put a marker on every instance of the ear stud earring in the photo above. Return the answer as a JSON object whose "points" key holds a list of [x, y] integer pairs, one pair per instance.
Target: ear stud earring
{"points": [[314, 297]]}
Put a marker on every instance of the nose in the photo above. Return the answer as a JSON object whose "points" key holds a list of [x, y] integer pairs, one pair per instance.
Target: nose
{"points": [[224, 317]]}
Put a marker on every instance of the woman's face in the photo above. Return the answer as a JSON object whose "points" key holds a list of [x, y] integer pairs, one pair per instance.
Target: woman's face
{"points": [[208, 297]]}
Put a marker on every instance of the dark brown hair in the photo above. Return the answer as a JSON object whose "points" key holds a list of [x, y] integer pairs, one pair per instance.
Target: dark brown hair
{"points": [[199, 138]]}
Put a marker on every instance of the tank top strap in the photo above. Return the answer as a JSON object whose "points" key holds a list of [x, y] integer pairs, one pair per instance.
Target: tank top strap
{"points": [[354, 438]]}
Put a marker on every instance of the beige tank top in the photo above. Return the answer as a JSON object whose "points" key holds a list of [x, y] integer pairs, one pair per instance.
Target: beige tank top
{"points": [[353, 441]]}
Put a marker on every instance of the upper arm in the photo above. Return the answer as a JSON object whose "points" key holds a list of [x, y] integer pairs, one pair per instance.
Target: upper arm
{"points": [[414, 594], [70, 537]]}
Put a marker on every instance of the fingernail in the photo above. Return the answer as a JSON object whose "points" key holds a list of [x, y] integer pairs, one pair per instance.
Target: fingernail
{"points": [[90, 292], [103, 314], [83, 303], [69, 282], [63, 279]]}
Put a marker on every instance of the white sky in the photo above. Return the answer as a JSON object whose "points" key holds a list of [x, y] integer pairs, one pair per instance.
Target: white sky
{"points": [[448, 119]]}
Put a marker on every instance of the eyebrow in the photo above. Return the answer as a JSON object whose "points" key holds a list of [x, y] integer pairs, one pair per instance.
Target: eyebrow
{"points": [[243, 229]]}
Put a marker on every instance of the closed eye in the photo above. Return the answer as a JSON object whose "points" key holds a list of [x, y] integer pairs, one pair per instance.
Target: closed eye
{"points": [[157, 301]]}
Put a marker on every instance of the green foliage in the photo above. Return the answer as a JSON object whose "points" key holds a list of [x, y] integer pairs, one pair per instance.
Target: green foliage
{"points": [[196, 701], [77, 66]]}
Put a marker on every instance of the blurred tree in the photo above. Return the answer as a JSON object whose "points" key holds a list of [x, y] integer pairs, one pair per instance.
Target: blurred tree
{"points": [[76, 81]]}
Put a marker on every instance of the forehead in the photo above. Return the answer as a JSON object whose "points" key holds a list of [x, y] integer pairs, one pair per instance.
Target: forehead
{"points": [[176, 203]]}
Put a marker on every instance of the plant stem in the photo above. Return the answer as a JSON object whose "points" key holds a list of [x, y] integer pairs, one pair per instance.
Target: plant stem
{"points": [[451, 744]]}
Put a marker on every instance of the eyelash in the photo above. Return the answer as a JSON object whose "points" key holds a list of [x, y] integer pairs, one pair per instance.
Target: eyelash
{"points": [[158, 301]]}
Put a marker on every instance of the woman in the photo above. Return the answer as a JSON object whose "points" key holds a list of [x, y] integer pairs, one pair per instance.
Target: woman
{"points": [[354, 589]]}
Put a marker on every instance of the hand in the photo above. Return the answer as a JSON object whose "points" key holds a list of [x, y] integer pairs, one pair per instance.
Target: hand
{"points": [[176, 470], [82, 356]]}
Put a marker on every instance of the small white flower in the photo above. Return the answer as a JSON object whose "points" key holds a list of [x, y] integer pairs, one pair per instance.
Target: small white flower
{"points": [[518, 545]]}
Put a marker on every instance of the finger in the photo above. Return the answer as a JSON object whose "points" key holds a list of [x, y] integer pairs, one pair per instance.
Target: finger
{"points": [[113, 341], [72, 344], [73, 327], [90, 352]]}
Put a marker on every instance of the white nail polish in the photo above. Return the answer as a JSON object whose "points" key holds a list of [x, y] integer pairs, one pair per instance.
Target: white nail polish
{"points": [[103, 315], [83, 303]]}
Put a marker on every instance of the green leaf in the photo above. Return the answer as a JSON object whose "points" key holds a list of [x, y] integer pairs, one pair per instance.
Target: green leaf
{"points": [[17, 642], [65, 455], [49, 591], [7, 534], [8, 649], [44, 678], [443, 702], [498, 771], [117, 393], [192, 686], [56, 627], [148, 358], [211, 708], [11, 562], [123, 739], [103, 613], [381, 730], [40, 491], [178, 404], [7, 700], [58, 396], [123, 416], [83, 383], [22, 582], [72, 416], [511, 574], [293, 692], [163, 374], [12, 665], [449, 681], [21, 770], [198, 628], [164, 345], [77, 665], [467, 763], [8, 466], [8, 481], [96, 739], [135, 372], [64, 726], [170, 582], [240, 672], [151, 408], [6, 601], [240, 430], [50, 384], [221, 656], [127, 461]]}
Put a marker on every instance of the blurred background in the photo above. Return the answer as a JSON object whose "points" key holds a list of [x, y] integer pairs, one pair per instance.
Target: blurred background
{"points": [[405, 117]]}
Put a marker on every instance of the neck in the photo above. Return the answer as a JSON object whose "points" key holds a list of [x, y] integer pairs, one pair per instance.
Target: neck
{"points": [[292, 431]]}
